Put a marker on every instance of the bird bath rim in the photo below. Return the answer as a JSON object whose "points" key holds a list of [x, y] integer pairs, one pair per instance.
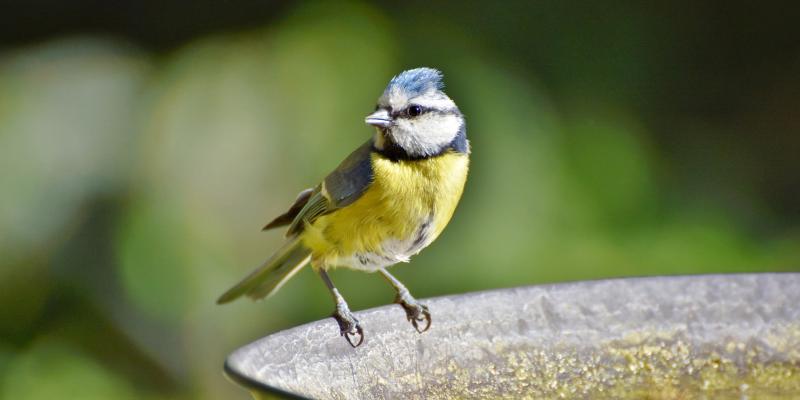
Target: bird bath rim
{"points": [[616, 329]]}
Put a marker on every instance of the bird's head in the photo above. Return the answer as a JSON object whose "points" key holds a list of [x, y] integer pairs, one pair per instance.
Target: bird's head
{"points": [[414, 118]]}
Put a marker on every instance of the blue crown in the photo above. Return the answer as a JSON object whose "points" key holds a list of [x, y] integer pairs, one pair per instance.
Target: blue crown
{"points": [[417, 81]]}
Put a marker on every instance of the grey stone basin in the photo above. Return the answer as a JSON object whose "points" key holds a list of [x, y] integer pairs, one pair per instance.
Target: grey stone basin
{"points": [[712, 336]]}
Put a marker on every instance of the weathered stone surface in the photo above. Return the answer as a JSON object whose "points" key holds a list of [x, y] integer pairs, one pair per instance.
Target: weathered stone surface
{"points": [[714, 336]]}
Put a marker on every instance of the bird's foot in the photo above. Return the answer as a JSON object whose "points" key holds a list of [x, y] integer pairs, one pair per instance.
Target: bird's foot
{"points": [[348, 325], [416, 312]]}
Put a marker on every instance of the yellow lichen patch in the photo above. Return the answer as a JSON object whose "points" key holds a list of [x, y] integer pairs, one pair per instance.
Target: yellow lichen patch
{"points": [[642, 365]]}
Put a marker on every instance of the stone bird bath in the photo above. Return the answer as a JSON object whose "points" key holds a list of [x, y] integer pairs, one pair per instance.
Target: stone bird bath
{"points": [[713, 336]]}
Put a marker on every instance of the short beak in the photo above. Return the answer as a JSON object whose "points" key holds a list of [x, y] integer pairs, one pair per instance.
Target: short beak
{"points": [[379, 118]]}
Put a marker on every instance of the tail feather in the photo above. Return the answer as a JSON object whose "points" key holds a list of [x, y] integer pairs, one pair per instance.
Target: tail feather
{"points": [[272, 274]]}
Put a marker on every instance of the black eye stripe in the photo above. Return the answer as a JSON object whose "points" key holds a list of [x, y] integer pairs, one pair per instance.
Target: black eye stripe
{"points": [[403, 113], [408, 113]]}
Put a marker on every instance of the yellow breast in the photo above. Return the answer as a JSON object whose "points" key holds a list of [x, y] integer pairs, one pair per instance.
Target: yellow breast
{"points": [[403, 196]]}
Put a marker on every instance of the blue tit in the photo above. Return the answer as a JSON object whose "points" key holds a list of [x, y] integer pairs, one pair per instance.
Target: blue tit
{"points": [[384, 203]]}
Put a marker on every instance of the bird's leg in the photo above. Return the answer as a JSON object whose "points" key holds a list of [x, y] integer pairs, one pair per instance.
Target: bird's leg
{"points": [[415, 311], [348, 324]]}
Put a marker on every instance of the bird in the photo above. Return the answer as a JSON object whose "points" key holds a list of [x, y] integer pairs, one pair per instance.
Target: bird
{"points": [[388, 200]]}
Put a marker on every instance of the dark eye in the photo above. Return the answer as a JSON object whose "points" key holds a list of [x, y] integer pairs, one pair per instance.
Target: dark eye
{"points": [[414, 110]]}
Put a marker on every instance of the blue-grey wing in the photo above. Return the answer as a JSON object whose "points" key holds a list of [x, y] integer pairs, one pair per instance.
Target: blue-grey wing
{"points": [[351, 178], [340, 188]]}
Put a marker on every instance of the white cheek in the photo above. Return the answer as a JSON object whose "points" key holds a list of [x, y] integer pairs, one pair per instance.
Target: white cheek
{"points": [[437, 130], [427, 135]]}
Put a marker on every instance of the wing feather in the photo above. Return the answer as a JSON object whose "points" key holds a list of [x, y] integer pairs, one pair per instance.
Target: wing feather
{"points": [[340, 188], [317, 205], [287, 217]]}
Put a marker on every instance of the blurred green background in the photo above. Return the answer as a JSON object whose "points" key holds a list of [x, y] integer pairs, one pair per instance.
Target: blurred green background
{"points": [[144, 144]]}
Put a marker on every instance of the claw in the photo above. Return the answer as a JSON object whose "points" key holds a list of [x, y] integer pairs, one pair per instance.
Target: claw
{"points": [[415, 320], [359, 333], [415, 311], [349, 326]]}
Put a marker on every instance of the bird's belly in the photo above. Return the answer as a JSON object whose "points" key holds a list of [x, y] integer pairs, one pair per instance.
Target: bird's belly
{"points": [[391, 250], [405, 208]]}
